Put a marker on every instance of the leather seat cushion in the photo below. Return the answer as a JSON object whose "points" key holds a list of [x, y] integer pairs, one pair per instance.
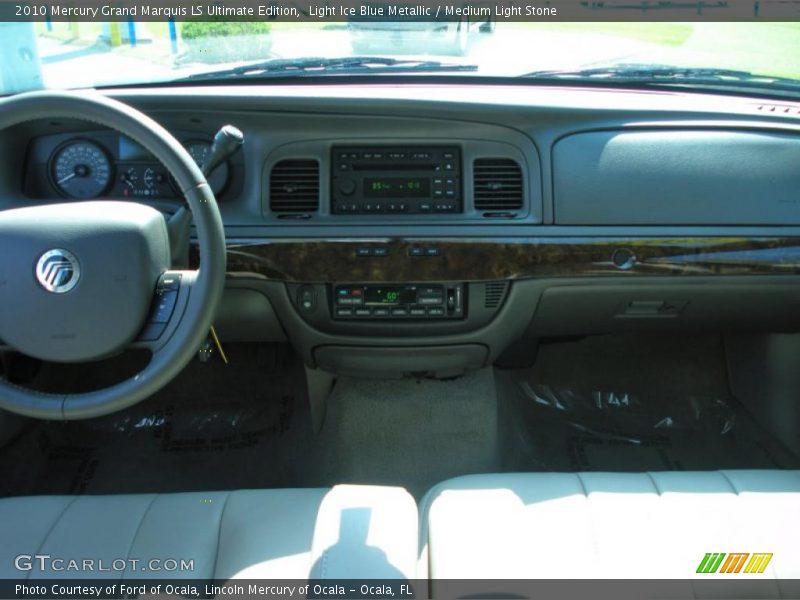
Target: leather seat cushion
{"points": [[254, 534], [609, 525]]}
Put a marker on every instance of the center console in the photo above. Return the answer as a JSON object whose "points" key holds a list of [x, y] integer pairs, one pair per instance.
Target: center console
{"points": [[393, 327]]}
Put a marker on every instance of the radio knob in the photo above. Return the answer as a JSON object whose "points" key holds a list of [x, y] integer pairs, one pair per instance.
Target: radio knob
{"points": [[347, 187]]}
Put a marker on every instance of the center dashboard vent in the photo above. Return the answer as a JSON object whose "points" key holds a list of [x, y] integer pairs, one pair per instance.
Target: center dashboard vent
{"points": [[497, 184], [294, 186]]}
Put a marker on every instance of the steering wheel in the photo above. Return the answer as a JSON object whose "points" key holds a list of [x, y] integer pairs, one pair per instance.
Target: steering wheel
{"points": [[80, 281]]}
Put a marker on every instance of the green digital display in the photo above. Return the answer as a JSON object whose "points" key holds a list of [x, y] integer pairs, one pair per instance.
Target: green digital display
{"points": [[397, 187], [389, 295]]}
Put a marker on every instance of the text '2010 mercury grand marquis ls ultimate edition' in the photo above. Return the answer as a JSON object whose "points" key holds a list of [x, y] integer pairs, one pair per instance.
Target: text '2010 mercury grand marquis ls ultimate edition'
{"points": [[305, 307]]}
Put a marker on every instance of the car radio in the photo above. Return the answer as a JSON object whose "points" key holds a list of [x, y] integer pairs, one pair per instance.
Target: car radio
{"points": [[398, 301], [395, 179]]}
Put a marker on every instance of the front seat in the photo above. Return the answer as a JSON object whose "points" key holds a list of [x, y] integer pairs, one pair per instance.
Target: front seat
{"points": [[613, 525], [345, 532]]}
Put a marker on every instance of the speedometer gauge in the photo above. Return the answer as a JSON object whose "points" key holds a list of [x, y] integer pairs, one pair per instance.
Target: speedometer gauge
{"points": [[81, 169]]}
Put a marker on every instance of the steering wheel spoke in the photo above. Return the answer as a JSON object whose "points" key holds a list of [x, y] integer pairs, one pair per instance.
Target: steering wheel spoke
{"points": [[167, 308]]}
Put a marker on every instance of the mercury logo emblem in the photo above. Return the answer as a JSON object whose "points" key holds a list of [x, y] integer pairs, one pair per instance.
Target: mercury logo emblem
{"points": [[58, 271]]}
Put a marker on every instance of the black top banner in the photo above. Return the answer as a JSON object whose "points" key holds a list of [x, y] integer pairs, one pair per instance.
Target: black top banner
{"points": [[398, 10]]}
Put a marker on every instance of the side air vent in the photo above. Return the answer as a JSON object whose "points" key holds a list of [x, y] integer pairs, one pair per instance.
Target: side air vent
{"points": [[497, 184], [495, 293], [294, 186]]}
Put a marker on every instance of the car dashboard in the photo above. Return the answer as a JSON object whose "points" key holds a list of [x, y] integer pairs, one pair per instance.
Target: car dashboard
{"points": [[395, 229]]}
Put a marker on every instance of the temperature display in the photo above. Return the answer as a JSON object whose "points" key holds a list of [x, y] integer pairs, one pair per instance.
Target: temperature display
{"points": [[397, 187], [390, 295]]}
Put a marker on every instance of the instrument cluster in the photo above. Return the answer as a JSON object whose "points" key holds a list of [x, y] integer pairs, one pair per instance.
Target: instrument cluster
{"points": [[109, 165]]}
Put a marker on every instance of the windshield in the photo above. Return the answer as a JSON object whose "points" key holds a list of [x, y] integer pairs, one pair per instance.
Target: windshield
{"points": [[93, 53]]}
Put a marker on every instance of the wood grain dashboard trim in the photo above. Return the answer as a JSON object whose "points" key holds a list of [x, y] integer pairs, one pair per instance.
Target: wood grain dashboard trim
{"points": [[483, 259]]}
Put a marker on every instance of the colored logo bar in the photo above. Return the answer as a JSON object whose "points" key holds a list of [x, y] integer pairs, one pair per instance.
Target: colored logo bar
{"points": [[736, 562]]}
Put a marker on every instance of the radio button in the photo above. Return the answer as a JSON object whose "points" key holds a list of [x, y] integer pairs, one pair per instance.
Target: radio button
{"points": [[418, 312], [430, 300], [344, 312], [436, 312], [399, 312], [363, 252], [432, 252], [416, 251], [424, 207], [380, 251], [363, 312], [380, 312]]}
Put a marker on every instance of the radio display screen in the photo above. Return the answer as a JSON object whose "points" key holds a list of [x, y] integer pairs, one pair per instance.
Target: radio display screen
{"points": [[390, 295], [397, 187]]}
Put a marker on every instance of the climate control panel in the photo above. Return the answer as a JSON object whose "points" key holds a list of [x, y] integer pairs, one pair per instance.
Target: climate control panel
{"points": [[398, 301]]}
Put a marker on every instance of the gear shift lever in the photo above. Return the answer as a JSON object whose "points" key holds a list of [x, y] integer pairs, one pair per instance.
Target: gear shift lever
{"points": [[227, 141]]}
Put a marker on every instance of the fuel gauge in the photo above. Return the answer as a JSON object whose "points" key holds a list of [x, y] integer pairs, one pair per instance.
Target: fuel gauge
{"points": [[150, 178]]}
